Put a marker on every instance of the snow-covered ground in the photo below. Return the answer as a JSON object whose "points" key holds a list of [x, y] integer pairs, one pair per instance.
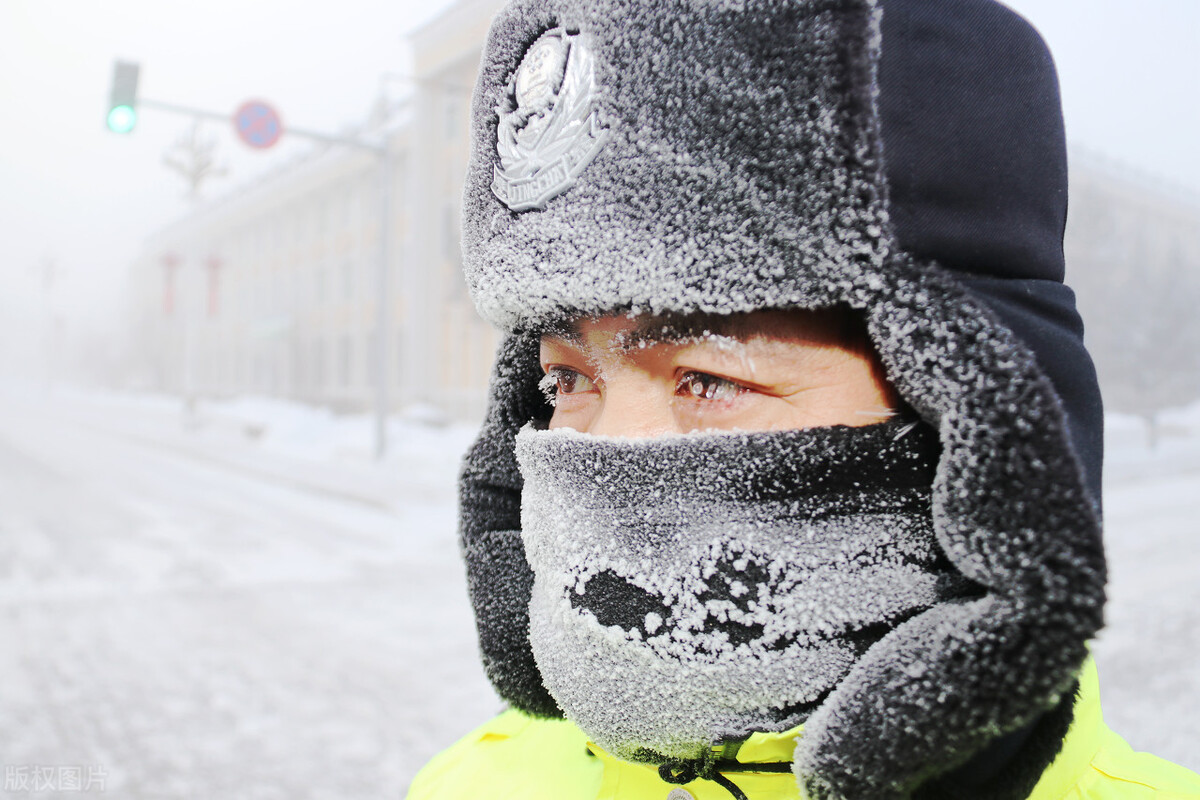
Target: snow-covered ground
{"points": [[242, 603]]}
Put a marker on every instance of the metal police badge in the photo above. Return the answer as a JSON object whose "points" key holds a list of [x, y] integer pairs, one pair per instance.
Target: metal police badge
{"points": [[548, 131]]}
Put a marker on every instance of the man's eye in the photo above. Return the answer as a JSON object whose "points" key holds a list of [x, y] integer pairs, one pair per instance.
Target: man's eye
{"points": [[568, 381], [560, 381], [702, 386]]}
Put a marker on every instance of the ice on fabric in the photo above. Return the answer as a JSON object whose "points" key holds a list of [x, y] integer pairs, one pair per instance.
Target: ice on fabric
{"points": [[746, 237], [694, 588]]}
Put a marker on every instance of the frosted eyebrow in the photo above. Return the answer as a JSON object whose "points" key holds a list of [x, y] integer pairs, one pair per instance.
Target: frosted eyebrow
{"points": [[658, 330], [675, 330], [567, 332]]}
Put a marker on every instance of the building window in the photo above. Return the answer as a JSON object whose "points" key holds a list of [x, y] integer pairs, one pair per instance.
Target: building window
{"points": [[451, 119], [449, 235], [347, 361], [400, 362], [343, 208], [300, 368], [318, 368]]}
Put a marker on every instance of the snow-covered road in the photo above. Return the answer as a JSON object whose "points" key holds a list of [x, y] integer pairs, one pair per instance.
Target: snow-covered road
{"points": [[190, 632], [1149, 653], [179, 625]]}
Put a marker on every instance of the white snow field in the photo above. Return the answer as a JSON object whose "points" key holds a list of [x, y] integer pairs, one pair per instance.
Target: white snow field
{"points": [[248, 606]]}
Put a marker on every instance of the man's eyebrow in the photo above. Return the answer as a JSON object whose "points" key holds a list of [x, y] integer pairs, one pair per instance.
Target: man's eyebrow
{"points": [[673, 330], [661, 329], [566, 331]]}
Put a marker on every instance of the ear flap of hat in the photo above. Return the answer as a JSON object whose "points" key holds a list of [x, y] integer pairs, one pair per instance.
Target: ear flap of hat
{"points": [[498, 576], [976, 165]]}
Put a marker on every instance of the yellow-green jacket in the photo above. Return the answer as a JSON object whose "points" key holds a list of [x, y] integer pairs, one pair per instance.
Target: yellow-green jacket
{"points": [[516, 757]]}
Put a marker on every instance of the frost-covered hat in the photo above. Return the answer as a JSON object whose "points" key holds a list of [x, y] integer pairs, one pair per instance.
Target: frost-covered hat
{"points": [[904, 158]]}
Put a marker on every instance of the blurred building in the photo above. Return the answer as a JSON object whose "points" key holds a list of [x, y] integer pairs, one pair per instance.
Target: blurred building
{"points": [[1133, 258], [455, 353], [269, 290], [273, 290]]}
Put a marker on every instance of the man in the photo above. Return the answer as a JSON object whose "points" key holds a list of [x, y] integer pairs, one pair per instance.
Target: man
{"points": [[789, 484]]}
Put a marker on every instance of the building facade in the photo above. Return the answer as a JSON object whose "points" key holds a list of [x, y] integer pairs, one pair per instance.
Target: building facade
{"points": [[275, 289], [272, 290], [1133, 258]]}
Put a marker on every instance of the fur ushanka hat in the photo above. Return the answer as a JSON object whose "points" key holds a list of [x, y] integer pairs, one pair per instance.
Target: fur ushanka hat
{"points": [[902, 157]]}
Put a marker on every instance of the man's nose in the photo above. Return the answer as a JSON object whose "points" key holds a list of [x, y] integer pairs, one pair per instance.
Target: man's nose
{"points": [[634, 408]]}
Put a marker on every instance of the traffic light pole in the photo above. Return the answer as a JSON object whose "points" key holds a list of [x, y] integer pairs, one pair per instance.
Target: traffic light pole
{"points": [[386, 161], [315, 136]]}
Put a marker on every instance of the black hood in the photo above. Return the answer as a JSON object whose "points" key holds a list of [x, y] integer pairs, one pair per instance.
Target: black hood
{"points": [[976, 165]]}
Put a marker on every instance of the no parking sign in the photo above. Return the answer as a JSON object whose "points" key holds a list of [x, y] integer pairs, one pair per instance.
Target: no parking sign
{"points": [[258, 124]]}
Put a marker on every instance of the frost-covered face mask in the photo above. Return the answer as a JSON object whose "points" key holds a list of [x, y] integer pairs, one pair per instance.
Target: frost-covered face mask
{"points": [[691, 589]]}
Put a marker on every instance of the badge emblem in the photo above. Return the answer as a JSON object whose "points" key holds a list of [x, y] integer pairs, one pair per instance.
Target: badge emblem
{"points": [[548, 131]]}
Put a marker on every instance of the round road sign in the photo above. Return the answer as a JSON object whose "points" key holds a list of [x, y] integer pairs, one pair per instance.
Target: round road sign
{"points": [[257, 124]]}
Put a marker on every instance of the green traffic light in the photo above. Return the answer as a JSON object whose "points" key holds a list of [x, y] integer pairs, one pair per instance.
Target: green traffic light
{"points": [[121, 119]]}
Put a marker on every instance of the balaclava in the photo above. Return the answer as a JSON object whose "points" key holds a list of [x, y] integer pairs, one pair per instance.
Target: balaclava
{"points": [[903, 158], [692, 589]]}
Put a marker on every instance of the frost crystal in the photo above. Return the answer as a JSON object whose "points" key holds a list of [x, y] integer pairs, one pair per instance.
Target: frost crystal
{"points": [[693, 588]]}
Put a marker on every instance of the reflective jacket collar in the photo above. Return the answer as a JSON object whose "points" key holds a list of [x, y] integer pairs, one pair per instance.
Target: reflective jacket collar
{"points": [[642, 780]]}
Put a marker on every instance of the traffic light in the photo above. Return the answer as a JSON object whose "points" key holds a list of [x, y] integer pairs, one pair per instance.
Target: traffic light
{"points": [[122, 98]]}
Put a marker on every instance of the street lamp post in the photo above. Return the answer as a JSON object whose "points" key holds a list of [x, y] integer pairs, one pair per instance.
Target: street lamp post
{"points": [[383, 305]]}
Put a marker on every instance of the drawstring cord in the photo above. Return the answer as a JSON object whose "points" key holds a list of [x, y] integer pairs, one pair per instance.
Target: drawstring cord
{"points": [[681, 772]]}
